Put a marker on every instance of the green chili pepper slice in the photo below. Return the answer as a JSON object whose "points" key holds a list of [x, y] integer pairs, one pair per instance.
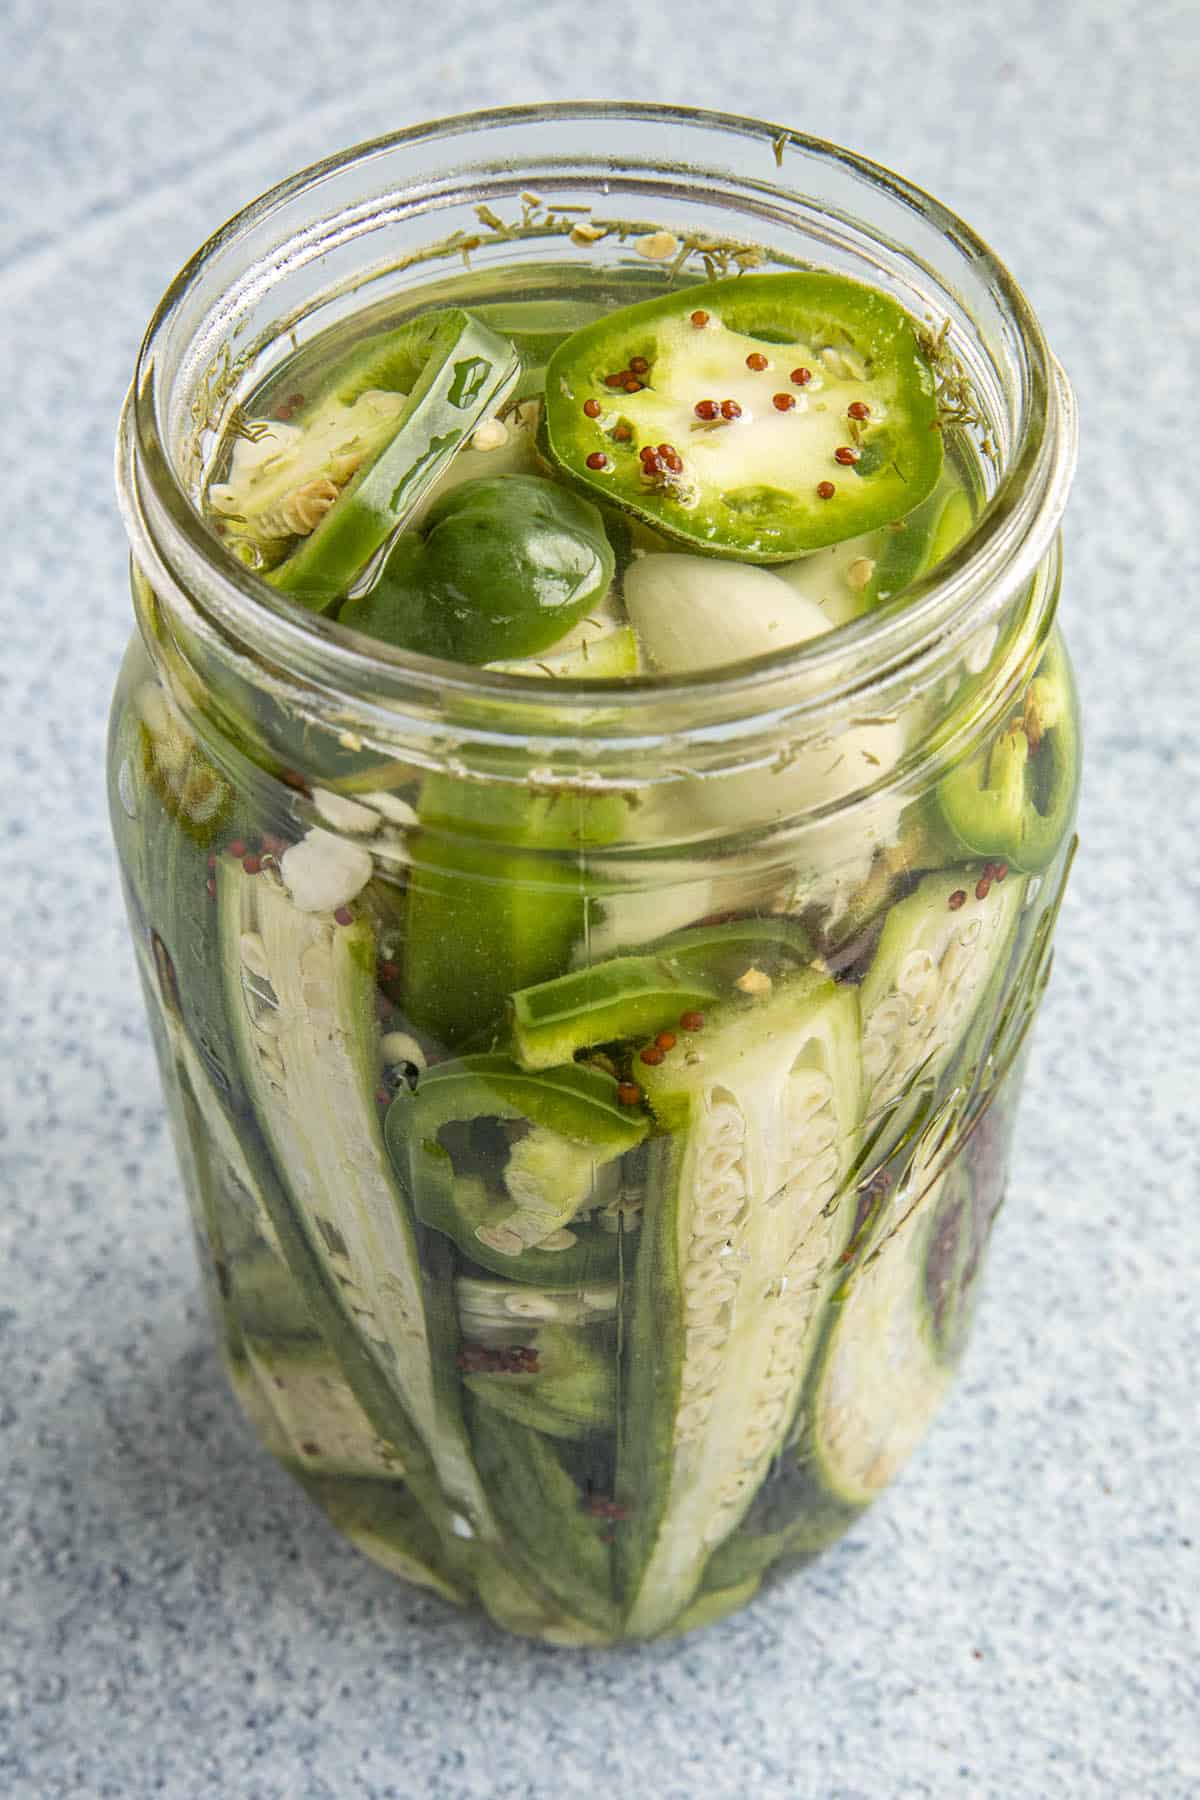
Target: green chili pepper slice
{"points": [[631, 997], [520, 1220], [756, 418], [1016, 800]]}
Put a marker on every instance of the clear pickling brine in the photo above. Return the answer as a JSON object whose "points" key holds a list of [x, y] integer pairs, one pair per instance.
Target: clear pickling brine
{"points": [[593, 784]]}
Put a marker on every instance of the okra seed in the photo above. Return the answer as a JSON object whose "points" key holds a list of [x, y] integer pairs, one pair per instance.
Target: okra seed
{"points": [[958, 898], [629, 1093], [825, 490], [592, 408], [783, 402], [846, 454], [756, 360]]}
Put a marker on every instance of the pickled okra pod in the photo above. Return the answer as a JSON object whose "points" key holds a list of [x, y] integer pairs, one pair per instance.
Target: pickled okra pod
{"points": [[745, 1221], [385, 428]]}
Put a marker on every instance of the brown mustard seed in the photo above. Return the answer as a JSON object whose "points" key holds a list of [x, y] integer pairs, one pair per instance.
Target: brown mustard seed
{"points": [[825, 490], [237, 848], [622, 433], [629, 1093], [592, 408], [666, 1040], [597, 460], [958, 898], [674, 462], [801, 377], [633, 385], [783, 402], [1000, 871], [344, 916], [618, 380], [706, 409], [983, 887], [699, 320], [252, 864], [638, 365], [651, 1055], [858, 409], [756, 360], [692, 1021], [847, 453], [730, 409]]}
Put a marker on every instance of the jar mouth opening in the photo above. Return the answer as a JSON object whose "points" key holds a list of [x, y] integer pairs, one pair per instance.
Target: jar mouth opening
{"points": [[1001, 550]]}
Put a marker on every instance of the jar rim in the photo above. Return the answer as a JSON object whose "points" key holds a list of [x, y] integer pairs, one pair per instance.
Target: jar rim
{"points": [[1003, 548]]}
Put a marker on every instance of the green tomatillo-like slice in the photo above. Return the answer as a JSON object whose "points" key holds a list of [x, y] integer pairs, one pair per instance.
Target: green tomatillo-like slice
{"points": [[756, 418], [453, 373], [1016, 800], [499, 567]]}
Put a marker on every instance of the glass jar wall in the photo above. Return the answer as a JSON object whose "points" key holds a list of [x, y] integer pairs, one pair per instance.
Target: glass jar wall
{"points": [[594, 1095]]}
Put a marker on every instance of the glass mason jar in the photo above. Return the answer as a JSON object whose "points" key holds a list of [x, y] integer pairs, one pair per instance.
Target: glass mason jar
{"points": [[595, 1305]]}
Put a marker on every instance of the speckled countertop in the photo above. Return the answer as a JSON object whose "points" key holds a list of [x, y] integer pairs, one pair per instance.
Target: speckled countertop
{"points": [[1019, 1617]]}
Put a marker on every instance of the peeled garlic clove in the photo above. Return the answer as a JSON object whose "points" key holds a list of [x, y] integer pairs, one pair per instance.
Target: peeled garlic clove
{"points": [[322, 873], [693, 612], [343, 814]]}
